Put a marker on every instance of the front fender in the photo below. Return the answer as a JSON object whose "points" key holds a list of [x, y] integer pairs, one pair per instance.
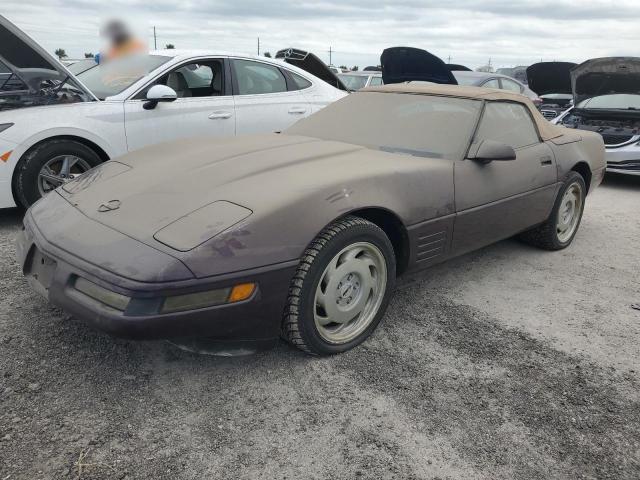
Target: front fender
{"points": [[285, 222]]}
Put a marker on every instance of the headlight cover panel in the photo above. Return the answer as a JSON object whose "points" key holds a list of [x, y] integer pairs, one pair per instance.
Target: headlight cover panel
{"points": [[202, 224]]}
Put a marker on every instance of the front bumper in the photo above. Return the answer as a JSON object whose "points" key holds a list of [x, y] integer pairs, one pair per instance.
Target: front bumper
{"points": [[6, 172], [624, 160], [53, 273]]}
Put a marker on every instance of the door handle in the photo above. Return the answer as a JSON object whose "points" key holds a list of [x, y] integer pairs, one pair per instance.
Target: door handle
{"points": [[297, 110], [546, 160], [220, 116]]}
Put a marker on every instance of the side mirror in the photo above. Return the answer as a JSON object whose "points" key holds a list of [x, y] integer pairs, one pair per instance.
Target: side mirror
{"points": [[489, 151], [159, 93]]}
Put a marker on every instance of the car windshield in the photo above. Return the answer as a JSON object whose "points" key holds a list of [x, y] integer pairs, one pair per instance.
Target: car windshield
{"points": [[617, 101], [353, 82], [111, 78], [421, 125], [463, 79], [82, 66]]}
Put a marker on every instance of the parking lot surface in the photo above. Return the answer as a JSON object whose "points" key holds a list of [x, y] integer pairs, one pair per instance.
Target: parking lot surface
{"points": [[509, 362]]}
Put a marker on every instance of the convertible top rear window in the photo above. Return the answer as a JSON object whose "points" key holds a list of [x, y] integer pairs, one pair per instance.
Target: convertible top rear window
{"points": [[421, 125]]}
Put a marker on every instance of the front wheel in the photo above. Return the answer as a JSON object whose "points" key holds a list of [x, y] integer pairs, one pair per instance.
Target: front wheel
{"points": [[49, 165], [341, 288], [561, 227]]}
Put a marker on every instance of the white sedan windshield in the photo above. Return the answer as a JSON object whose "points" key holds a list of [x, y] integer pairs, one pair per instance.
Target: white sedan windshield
{"points": [[111, 78]]}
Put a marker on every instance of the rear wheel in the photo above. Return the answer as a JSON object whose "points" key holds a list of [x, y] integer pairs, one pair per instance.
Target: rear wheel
{"points": [[49, 165], [341, 289], [561, 227]]}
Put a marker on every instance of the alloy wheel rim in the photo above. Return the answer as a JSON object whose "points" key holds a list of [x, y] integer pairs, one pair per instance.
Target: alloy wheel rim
{"points": [[350, 292], [569, 212], [60, 170]]}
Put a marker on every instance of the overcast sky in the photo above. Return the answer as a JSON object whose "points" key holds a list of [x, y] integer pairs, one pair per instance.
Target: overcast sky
{"points": [[510, 32]]}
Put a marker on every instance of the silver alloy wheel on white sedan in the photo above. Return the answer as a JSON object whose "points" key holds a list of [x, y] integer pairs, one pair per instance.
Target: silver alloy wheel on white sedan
{"points": [[350, 292], [59, 170], [569, 212]]}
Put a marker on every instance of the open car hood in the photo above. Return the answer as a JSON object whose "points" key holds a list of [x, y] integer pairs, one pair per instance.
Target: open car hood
{"points": [[36, 69], [308, 62], [407, 64], [550, 77], [456, 67], [603, 76]]}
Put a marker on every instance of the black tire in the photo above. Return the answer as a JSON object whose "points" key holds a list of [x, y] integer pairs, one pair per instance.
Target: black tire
{"points": [[25, 177], [545, 236], [298, 326]]}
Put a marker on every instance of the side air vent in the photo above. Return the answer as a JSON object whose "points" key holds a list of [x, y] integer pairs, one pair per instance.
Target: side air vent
{"points": [[430, 246]]}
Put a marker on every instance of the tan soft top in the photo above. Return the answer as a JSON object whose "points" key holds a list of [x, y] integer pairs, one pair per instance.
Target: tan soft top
{"points": [[547, 130]]}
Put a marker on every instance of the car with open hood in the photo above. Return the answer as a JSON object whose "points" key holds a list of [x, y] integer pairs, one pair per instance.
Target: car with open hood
{"points": [[55, 125], [552, 82], [606, 98], [404, 64], [302, 234]]}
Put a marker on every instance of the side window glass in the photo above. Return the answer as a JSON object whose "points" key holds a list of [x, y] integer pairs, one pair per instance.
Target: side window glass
{"points": [[300, 82], [508, 123], [493, 83], [375, 81], [255, 78], [204, 78], [510, 85]]}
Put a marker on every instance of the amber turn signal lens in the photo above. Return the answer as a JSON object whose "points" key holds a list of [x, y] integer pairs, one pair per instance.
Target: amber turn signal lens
{"points": [[5, 156], [242, 292]]}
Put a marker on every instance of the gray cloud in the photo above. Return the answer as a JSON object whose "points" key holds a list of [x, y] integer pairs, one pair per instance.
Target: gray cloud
{"points": [[470, 31]]}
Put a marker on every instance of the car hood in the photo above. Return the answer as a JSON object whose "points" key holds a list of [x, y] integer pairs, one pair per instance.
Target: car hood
{"points": [[456, 67], [31, 63], [144, 192], [308, 62], [550, 77], [603, 76], [407, 64]]}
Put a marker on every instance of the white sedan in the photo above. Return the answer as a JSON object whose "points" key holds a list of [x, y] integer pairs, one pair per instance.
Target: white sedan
{"points": [[56, 125]]}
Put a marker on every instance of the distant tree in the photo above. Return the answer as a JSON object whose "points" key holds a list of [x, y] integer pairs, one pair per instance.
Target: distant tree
{"points": [[60, 53], [354, 68], [267, 54], [89, 55], [170, 46], [344, 67], [485, 68]]}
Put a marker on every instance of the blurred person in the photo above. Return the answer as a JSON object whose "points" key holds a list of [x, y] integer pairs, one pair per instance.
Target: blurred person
{"points": [[122, 41]]}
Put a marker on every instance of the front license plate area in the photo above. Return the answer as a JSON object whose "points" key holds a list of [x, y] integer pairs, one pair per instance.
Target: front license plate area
{"points": [[40, 272]]}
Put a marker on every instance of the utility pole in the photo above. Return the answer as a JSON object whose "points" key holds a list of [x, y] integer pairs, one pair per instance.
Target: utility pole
{"points": [[258, 46], [155, 39], [330, 58], [449, 59]]}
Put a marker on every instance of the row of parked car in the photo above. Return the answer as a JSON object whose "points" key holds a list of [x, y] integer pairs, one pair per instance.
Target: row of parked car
{"points": [[600, 95], [89, 113]]}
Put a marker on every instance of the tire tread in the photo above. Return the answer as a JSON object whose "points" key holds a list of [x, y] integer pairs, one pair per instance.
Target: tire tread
{"points": [[290, 324]]}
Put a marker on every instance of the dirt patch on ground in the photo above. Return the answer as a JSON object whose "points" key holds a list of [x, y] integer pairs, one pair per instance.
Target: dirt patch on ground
{"points": [[450, 386]]}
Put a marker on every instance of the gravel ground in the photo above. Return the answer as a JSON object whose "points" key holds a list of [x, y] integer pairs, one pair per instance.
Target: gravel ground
{"points": [[505, 363]]}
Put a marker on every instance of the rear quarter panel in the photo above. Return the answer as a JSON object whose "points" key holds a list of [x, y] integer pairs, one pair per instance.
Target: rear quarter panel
{"points": [[580, 146]]}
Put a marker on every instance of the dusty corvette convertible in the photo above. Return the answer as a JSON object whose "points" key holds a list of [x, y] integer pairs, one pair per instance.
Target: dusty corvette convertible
{"points": [[302, 234]]}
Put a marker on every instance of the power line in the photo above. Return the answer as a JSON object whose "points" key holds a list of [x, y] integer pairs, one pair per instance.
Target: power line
{"points": [[331, 52]]}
